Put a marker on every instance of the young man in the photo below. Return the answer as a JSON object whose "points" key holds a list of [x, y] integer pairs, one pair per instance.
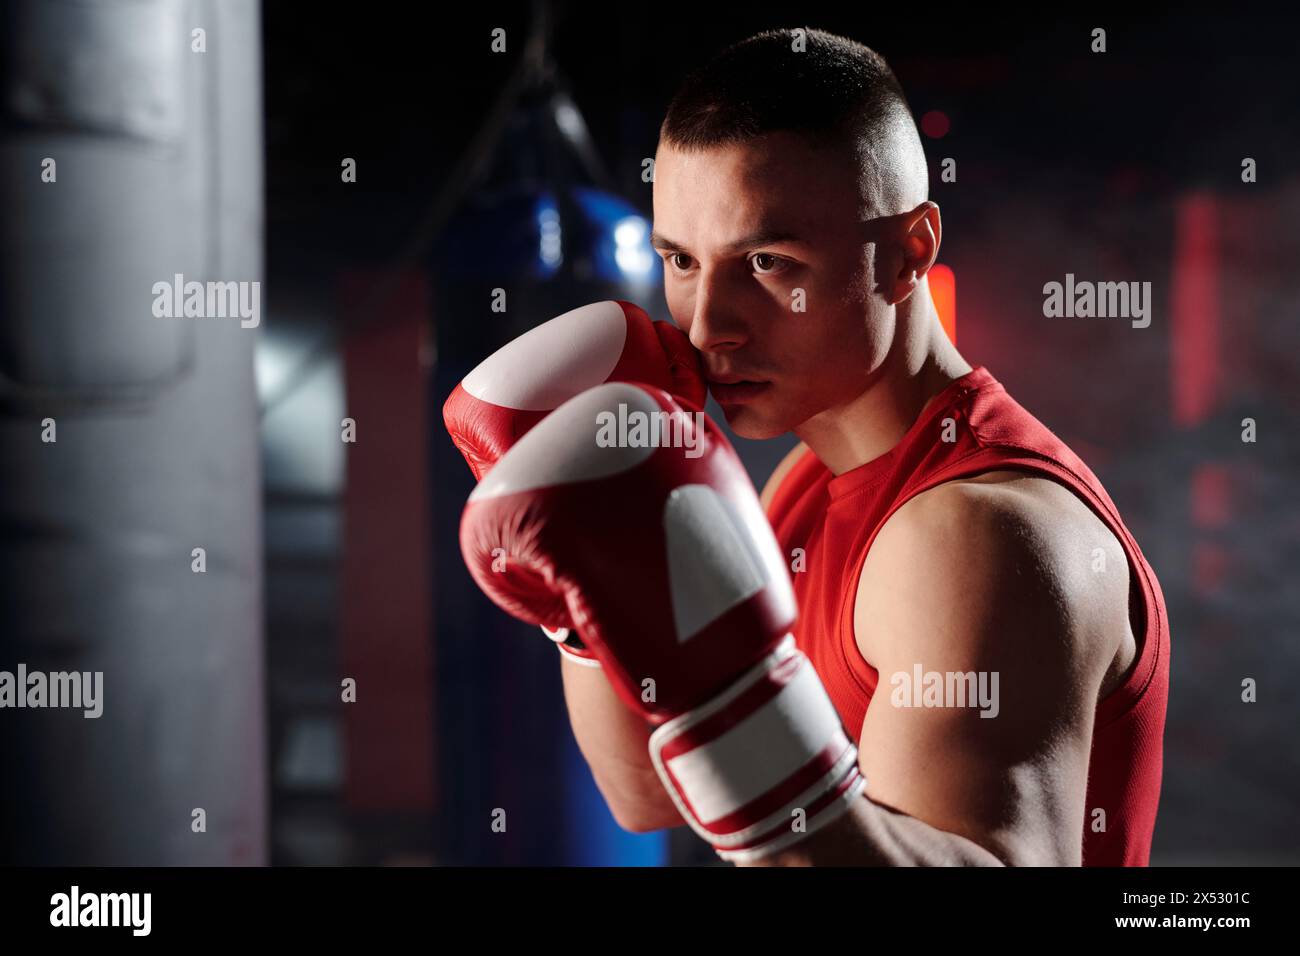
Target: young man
{"points": [[987, 630], [990, 549]]}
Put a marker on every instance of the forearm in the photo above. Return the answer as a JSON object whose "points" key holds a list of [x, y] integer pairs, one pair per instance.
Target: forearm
{"points": [[872, 835], [613, 740]]}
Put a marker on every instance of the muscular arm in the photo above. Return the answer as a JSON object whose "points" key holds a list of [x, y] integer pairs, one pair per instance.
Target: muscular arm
{"points": [[614, 741], [991, 576]]}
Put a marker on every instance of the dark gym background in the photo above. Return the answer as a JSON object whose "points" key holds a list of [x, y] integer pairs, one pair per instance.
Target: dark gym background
{"points": [[522, 171]]}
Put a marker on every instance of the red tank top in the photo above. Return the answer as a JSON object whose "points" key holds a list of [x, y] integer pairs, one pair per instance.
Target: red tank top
{"points": [[836, 518]]}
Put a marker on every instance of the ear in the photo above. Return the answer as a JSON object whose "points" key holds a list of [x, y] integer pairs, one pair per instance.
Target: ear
{"points": [[920, 249]]}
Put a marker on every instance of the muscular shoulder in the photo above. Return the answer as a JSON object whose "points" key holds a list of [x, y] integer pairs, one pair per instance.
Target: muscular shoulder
{"points": [[995, 566], [990, 580]]}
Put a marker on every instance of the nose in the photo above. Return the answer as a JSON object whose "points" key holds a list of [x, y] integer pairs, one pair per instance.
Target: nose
{"points": [[716, 326]]}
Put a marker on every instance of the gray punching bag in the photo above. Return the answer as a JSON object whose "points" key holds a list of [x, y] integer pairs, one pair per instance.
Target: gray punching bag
{"points": [[131, 154]]}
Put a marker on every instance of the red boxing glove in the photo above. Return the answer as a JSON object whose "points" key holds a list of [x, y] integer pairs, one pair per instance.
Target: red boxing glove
{"points": [[635, 519], [522, 382]]}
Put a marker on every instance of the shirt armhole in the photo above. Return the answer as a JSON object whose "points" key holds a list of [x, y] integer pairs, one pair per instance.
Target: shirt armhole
{"points": [[779, 473]]}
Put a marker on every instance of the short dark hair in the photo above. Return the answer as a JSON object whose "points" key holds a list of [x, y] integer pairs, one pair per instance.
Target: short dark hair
{"points": [[835, 91]]}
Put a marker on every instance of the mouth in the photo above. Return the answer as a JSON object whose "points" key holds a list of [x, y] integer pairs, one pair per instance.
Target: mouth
{"points": [[736, 391]]}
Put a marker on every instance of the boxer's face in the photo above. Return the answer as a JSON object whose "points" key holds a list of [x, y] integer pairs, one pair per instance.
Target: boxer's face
{"points": [[740, 229]]}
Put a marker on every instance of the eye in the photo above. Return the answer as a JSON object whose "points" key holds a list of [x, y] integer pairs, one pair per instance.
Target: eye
{"points": [[773, 266], [674, 257]]}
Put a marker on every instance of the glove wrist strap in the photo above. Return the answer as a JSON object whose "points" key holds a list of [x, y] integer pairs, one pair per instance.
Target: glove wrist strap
{"points": [[763, 764]]}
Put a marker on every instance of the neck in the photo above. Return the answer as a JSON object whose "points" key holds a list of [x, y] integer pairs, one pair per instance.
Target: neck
{"points": [[921, 363]]}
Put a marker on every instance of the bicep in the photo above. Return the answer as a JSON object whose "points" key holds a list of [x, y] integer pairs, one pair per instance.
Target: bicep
{"points": [[1012, 788], [995, 747]]}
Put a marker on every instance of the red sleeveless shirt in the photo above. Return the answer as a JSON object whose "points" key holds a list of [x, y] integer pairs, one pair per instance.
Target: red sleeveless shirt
{"points": [[836, 518]]}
